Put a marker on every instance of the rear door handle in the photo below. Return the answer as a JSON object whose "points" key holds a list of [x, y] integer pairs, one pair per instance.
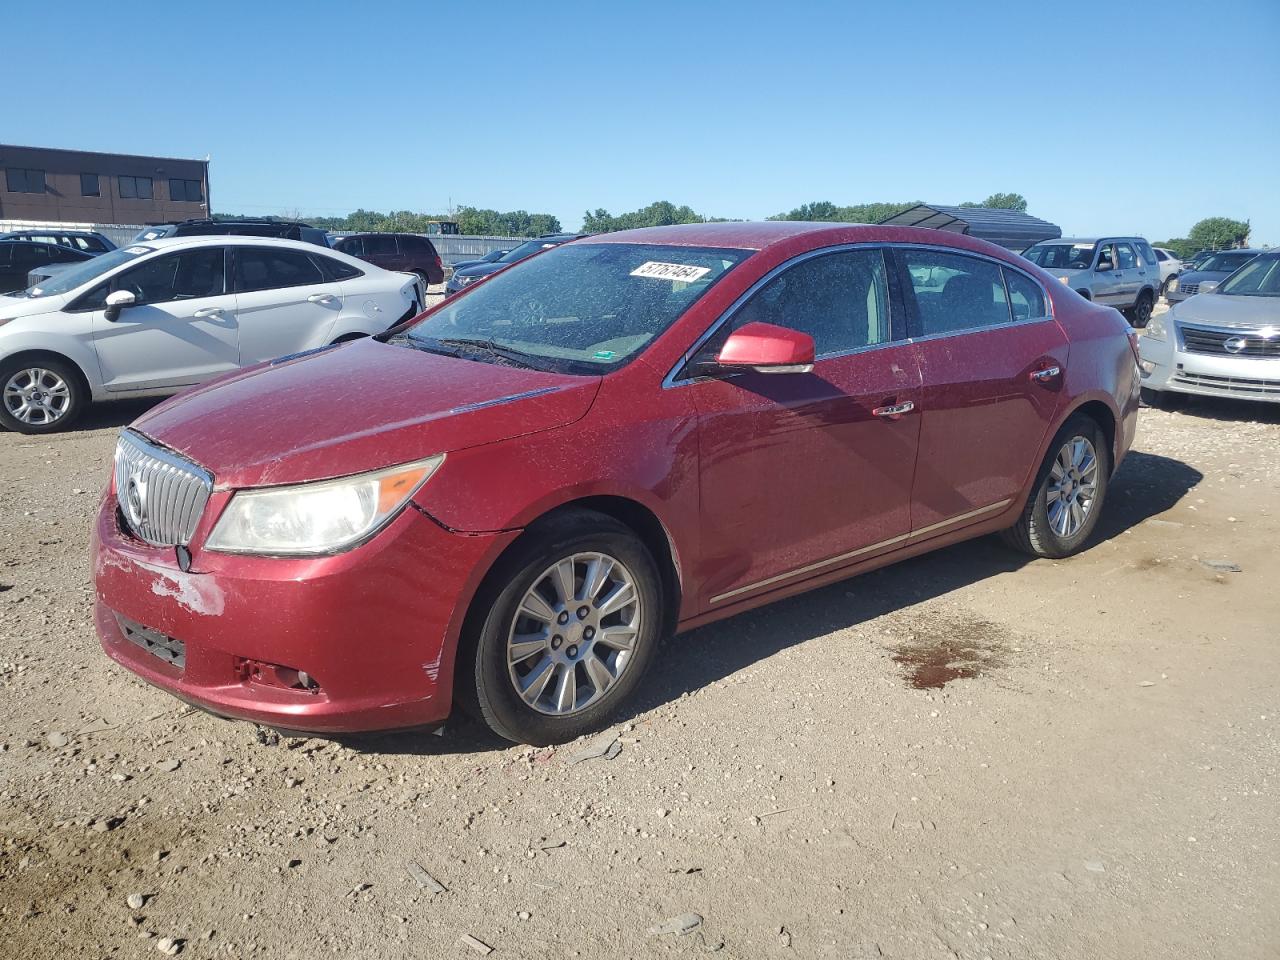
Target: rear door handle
{"points": [[1045, 375], [209, 312], [894, 409], [320, 298]]}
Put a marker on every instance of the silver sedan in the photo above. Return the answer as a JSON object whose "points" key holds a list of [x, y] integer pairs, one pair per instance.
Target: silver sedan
{"points": [[1224, 343]]}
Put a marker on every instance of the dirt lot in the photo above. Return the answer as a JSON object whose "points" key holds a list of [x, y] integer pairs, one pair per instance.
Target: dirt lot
{"points": [[1097, 778]]}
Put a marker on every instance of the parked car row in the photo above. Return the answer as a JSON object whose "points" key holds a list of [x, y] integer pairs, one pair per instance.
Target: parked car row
{"points": [[464, 276], [613, 439]]}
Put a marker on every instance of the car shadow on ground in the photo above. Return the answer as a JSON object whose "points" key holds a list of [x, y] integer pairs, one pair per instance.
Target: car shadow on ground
{"points": [[1145, 486], [118, 413], [1226, 410]]}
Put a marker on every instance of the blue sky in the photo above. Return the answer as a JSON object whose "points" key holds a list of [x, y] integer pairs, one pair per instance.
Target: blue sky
{"points": [[1141, 117]]}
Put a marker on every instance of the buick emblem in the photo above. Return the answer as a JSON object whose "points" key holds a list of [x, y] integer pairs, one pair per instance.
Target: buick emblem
{"points": [[1235, 344], [135, 501]]}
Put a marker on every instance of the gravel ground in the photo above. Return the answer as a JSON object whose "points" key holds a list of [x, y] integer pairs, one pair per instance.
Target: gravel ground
{"points": [[1096, 778]]}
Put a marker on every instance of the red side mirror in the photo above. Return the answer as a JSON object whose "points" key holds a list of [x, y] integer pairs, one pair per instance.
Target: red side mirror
{"points": [[766, 348]]}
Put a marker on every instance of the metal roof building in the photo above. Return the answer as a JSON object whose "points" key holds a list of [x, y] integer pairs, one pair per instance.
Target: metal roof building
{"points": [[1009, 228]]}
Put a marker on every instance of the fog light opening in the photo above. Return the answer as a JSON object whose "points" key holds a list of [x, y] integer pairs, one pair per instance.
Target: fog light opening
{"points": [[275, 675]]}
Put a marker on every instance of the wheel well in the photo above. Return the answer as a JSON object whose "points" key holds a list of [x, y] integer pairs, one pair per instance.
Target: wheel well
{"points": [[27, 356], [642, 522], [1100, 413], [1086, 294], [348, 337], [1147, 291], [645, 524]]}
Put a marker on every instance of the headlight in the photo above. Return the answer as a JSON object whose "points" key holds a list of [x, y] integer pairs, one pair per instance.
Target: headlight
{"points": [[1066, 280], [1173, 284], [464, 280], [1156, 329], [317, 518]]}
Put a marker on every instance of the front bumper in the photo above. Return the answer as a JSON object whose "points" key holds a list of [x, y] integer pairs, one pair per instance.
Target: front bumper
{"points": [[375, 628], [1167, 366]]}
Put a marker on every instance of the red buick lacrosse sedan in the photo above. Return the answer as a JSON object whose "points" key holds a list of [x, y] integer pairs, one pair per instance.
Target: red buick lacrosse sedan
{"points": [[511, 500]]}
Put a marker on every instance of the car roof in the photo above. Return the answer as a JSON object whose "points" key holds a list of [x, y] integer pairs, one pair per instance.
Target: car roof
{"points": [[760, 235], [1091, 240], [239, 239]]}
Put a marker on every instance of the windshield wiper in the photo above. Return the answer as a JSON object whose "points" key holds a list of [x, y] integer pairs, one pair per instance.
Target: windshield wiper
{"points": [[510, 354]]}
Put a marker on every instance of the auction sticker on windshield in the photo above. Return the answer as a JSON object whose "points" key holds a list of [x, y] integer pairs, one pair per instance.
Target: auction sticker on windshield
{"points": [[670, 271]]}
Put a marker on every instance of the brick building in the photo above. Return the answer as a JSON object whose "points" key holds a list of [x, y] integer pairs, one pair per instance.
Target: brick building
{"points": [[47, 185]]}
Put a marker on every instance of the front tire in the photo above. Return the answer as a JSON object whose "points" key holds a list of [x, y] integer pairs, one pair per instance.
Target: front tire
{"points": [[40, 396], [1139, 314], [565, 631], [1067, 499]]}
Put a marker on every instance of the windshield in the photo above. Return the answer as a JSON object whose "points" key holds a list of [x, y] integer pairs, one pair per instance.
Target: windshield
{"points": [[527, 249], [90, 270], [1260, 278], [581, 308], [1061, 256], [1226, 262]]}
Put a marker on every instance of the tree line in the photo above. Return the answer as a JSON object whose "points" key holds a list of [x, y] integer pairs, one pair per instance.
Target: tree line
{"points": [[1213, 233]]}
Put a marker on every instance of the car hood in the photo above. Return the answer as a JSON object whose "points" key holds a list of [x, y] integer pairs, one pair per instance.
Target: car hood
{"points": [[11, 307], [1198, 276], [480, 269], [360, 406], [1229, 310]]}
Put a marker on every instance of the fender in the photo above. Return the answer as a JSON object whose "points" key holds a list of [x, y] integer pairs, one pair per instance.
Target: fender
{"points": [[74, 350]]}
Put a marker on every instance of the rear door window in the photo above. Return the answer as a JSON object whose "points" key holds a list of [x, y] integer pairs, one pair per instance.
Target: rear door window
{"points": [[954, 292], [1026, 299], [1127, 260], [380, 246], [336, 269], [266, 268]]}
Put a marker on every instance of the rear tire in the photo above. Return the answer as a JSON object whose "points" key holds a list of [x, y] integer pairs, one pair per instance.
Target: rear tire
{"points": [[574, 670], [1069, 493], [41, 396]]}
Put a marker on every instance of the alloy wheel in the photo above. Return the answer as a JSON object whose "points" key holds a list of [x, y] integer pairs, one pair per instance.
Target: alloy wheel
{"points": [[1073, 486], [37, 396], [574, 633]]}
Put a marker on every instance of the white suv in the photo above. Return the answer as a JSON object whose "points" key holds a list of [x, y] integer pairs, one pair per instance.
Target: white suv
{"points": [[154, 318]]}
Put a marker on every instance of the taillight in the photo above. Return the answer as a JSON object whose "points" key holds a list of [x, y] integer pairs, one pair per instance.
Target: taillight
{"points": [[1133, 343]]}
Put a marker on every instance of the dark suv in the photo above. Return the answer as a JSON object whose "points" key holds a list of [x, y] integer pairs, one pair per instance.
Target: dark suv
{"points": [[406, 252], [86, 241], [284, 229], [19, 257]]}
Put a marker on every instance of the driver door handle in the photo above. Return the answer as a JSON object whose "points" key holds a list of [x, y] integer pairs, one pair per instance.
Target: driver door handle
{"points": [[320, 298], [209, 312], [894, 409]]}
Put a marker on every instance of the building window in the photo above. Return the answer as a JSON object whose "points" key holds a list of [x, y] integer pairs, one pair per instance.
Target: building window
{"points": [[135, 188], [89, 185], [186, 190], [20, 180]]}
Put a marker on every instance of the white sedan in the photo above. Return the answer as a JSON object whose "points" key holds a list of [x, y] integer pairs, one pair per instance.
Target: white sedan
{"points": [[154, 318]]}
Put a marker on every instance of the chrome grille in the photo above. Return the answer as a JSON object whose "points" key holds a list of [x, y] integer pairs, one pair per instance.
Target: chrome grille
{"points": [[1242, 386], [1188, 289], [161, 495], [1255, 344]]}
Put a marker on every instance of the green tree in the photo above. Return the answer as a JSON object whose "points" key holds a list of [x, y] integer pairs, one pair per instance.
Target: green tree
{"points": [[660, 213], [826, 211], [1214, 233], [1001, 201]]}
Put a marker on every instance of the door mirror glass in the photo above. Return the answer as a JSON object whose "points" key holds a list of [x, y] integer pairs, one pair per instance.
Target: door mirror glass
{"points": [[766, 348], [1208, 286], [118, 301]]}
